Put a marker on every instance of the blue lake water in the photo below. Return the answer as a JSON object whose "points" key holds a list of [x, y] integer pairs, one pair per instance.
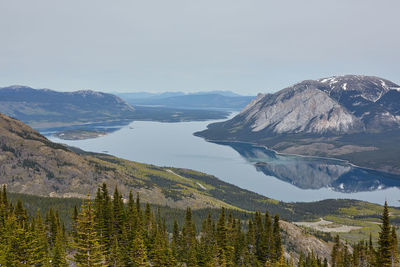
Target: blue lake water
{"points": [[282, 177]]}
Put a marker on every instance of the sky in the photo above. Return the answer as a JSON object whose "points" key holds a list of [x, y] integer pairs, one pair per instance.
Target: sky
{"points": [[244, 46]]}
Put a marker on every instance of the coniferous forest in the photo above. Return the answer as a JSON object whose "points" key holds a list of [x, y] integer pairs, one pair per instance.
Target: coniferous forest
{"points": [[106, 231]]}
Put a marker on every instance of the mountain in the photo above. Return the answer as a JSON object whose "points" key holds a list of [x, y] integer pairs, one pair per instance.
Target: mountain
{"points": [[217, 92], [43, 172], [145, 95], [201, 100], [53, 111], [44, 107], [371, 99], [350, 117], [31, 164]]}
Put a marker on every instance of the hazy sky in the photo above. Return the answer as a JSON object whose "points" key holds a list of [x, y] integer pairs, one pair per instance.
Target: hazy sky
{"points": [[244, 46]]}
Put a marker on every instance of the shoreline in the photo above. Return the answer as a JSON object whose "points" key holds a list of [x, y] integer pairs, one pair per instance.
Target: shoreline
{"points": [[74, 135], [296, 155]]}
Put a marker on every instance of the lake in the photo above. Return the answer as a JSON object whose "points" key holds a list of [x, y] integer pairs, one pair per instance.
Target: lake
{"points": [[283, 177]]}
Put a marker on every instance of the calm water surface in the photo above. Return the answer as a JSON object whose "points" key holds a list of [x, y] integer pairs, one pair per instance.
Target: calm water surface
{"points": [[286, 178]]}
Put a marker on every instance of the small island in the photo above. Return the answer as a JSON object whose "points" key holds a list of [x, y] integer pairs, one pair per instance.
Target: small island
{"points": [[79, 134]]}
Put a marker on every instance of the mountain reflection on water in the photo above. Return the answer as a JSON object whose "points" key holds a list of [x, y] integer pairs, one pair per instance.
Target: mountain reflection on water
{"points": [[314, 172]]}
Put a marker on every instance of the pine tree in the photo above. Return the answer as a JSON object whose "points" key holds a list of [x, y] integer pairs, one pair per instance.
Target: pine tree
{"points": [[74, 222], [335, 252], [371, 258], [88, 249], [277, 241], [59, 254], [175, 239], [188, 236], [38, 245], [268, 237], [17, 248], [384, 242], [222, 238], [138, 252], [395, 247]]}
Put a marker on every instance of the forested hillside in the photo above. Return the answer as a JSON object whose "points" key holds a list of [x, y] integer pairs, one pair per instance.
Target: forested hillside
{"points": [[106, 231]]}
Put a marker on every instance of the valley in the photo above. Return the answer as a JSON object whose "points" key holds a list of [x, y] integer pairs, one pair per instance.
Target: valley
{"points": [[199, 134], [278, 176], [33, 165]]}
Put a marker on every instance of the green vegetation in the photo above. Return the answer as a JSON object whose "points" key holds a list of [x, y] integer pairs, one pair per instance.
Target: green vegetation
{"points": [[364, 253], [32, 164], [107, 232], [350, 213], [79, 134]]}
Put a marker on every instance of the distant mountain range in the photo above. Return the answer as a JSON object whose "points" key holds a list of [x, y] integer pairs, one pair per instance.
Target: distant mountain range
{"points": [[49, 110], [142, 95], [350, 117], [42, 107], [202, 100]]}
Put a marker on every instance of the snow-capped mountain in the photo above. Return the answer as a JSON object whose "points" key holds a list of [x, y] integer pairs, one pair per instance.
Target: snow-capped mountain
{"points": [[336, 105], [354, 118]]}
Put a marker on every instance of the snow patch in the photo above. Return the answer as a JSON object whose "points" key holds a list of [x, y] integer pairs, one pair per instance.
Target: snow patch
{"points": [[331, 80], [383, 84], [201, 186]]}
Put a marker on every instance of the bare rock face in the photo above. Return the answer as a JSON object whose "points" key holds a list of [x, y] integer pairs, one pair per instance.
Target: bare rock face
{"points": [[372, 99], [337, 105], [300, 108]]}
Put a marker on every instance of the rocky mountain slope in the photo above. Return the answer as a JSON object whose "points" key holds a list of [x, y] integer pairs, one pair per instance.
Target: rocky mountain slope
{"points": [[44, 107], [31, 164], [336, 116]]}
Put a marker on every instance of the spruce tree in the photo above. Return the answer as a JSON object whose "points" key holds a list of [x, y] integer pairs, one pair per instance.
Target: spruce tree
{"points": [[59, 254], [88, 249], [395, 247], [38, 245], [138, 252], [335, 252], [277, 241], [384, 241], [371, 258]]}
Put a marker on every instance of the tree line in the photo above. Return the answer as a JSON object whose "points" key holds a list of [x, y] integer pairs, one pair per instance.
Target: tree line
{"points": [[108, 231]]}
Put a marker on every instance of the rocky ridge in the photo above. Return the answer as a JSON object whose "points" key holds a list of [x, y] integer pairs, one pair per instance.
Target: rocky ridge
{"points": [[351, 117], [344, 104]]}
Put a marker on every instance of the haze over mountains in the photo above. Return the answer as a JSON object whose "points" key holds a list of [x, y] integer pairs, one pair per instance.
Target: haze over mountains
{"points": [[45, 108], [201, 100], [336, 116]]}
